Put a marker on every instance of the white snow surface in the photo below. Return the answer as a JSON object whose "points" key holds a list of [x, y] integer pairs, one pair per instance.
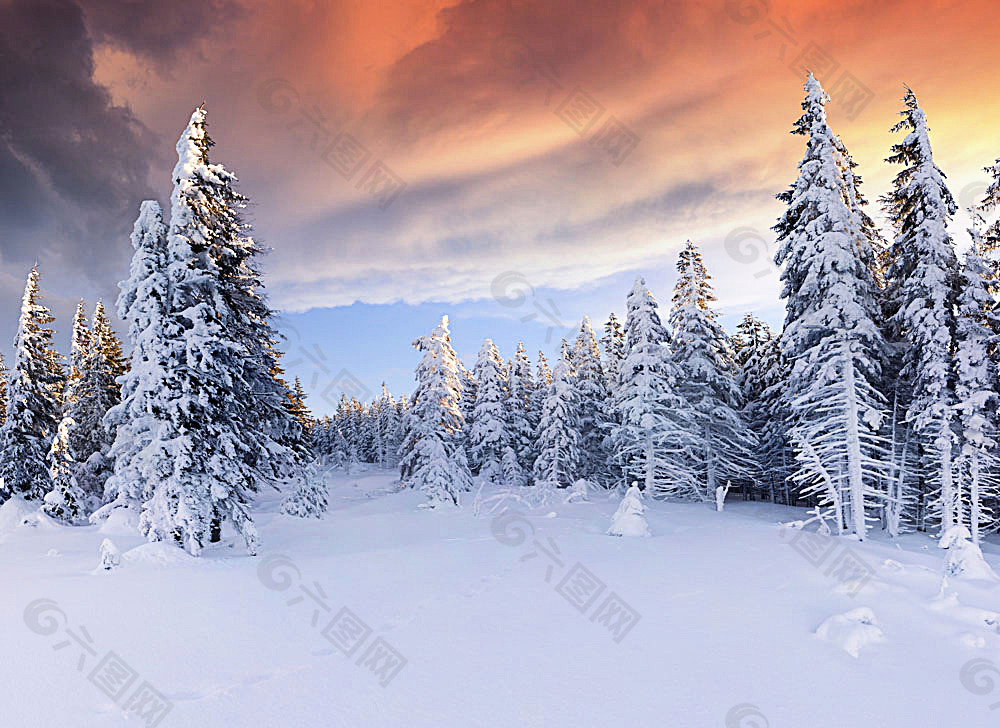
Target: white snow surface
{"points": [[728, 607]]}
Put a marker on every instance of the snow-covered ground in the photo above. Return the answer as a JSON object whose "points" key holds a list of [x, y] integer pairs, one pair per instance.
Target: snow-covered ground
{"points": [[459, 620]]}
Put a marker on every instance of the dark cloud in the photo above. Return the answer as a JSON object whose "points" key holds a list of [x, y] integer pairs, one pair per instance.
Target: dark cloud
{"points": [[157, 31], [75, 163]]}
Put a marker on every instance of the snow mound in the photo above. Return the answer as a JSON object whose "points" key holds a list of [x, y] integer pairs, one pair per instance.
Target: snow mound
{"points": [[965, 559], [851, 630], [579, 492], [15, 513], [158, 553], [122, 521]]}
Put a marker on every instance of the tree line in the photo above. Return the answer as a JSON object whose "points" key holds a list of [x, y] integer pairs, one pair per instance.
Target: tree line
{"points": [[875, 405]]}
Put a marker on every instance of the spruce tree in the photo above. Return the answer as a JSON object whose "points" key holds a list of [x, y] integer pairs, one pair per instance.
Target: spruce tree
{"points": [[613, 344], [3, 391], [703, 355], [208, 201], [591, 385], [33, 400], [488, 436], [434, 459], [757, 361], [308, 496], [976, 394], [79, 348], [922, 280], [987, 220], [559, 458], [298, 409], [386, 430], [210, 424], [144, 303], [95, 393], [831, 338], [521, 419], [654, 436], [64, 501]]}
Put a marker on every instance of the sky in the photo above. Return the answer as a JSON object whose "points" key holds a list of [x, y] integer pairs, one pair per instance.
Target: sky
{"points": [[513, 165]]}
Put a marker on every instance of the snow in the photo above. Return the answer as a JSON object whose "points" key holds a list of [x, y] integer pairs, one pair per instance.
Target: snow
{"points": [[851, 631], [15, 513], [727, 604]]}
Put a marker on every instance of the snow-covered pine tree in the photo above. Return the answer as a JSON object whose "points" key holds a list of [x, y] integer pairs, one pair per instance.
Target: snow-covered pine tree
{"points": [[559, 457], [3, 393], [987, 220], [467, 405], [488, 436], [591, 385], [346, 439], [64, 500], [613, 344], [208, 198], [386, 429], [654, 437], [976, 394], [922, 280], [543, 381], [629, 519], [79, 348], [298, 409], [703, 355], [33, 400], [365, 427], [521, 420], [309, 496], [144, 303], [758, 371], [434, 459], [831, 338], [95, 393]]}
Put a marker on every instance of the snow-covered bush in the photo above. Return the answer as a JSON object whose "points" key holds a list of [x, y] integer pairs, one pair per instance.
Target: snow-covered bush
{"points": [[628, 519], [965, 559]]}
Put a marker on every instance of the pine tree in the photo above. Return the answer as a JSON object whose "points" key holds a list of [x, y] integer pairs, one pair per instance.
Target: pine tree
{"points": [[488, 436], [298, 409], [33, 400], [976, 394], [654, 434], [921, 295], [387, 430], [613, 343], [591, 385], [703, 354], [759, 372], [434, 459], [309, 496], [95, 393], [144, 303], [559, 458], [521, 422], [78, 351], [209, 426], [831, 338], [65, 500], [989, 230], [3, 392], [207, 197]]}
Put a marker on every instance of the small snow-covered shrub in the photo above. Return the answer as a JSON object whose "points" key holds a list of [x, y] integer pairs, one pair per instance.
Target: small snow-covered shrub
{"points": [[628, 519]]}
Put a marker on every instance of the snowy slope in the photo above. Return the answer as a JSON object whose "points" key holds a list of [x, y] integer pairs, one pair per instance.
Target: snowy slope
{"points": [[728, 609]]}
